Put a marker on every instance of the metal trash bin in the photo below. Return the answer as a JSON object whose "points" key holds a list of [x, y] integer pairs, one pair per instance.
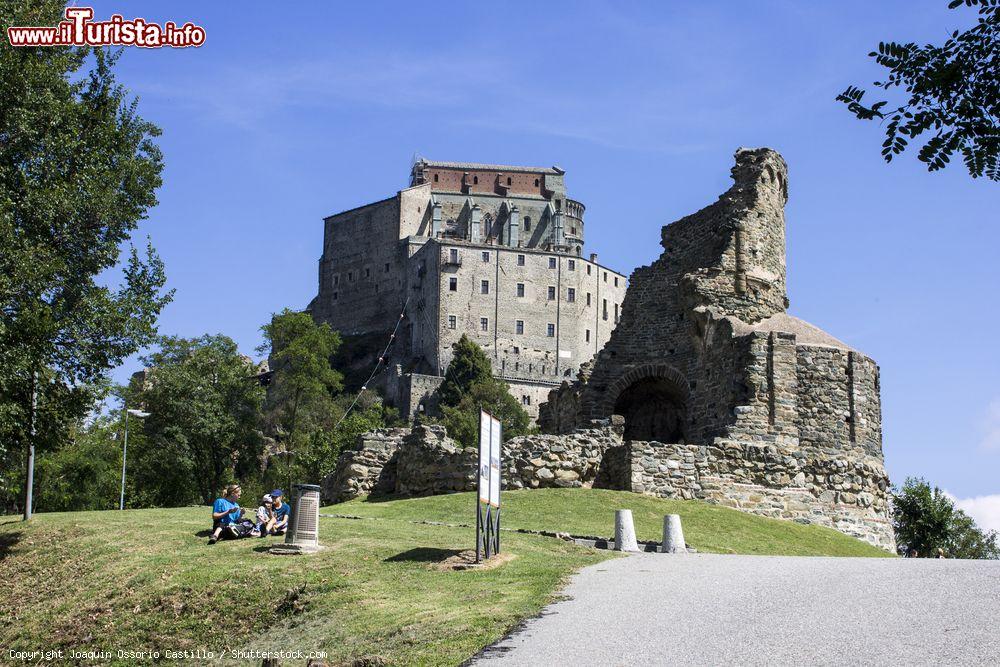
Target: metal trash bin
{"points": [[303, 526]]}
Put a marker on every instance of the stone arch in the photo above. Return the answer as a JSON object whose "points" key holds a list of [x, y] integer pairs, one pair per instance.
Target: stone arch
{"points": [[653, 399]]}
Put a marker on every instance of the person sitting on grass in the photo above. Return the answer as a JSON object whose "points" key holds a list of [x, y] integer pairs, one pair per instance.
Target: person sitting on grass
{"points": [[265, 516], [281, 512], [225, 513]]}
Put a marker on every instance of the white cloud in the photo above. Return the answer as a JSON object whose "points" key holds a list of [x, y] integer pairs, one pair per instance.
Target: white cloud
{"points": [[991, 427], [984, 510]]}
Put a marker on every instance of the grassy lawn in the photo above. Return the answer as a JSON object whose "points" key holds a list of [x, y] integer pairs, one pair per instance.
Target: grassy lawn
{"points": [[142, 579], [708, 528], [146, 579]]}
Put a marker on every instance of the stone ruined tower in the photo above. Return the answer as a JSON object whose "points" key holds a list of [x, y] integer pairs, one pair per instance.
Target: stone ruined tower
{"points": [[722, 270], [705, 356], [731, 256]]}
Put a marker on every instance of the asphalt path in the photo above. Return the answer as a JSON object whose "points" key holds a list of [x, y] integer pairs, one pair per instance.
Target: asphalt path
{"points": [[706, 609]]}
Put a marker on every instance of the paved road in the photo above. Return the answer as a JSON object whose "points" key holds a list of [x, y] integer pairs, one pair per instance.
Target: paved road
{"points": [[703, 609]]}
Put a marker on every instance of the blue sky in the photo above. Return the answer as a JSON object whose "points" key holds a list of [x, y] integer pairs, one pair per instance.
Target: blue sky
{"points": [[285, 116]]}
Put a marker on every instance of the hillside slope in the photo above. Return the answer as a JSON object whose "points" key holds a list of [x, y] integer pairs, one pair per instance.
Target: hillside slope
{"points": [[146, 579]]}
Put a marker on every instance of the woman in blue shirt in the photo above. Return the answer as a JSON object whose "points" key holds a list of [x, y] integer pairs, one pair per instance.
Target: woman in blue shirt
{"points": [[225, 511]]}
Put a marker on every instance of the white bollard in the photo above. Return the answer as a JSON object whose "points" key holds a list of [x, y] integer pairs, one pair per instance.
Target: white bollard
{"points": [[625, 531], [673, 536]]}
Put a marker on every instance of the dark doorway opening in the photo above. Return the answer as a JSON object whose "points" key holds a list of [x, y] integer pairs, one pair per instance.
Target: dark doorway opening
{"points": [[654, 410]]}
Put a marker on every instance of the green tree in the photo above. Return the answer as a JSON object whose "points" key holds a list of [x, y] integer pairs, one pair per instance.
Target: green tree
{"points": [[952, 93], [469, 386], [303, 383], [84, 473], [203, 429], [921, 516], [925, 519], [78, 171], [468, 366], [318, 454], [969, 541]]}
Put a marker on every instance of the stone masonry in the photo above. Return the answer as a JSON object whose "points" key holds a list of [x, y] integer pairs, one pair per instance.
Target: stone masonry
{"points": [[494, 252], [707, 389], [725, 396]]}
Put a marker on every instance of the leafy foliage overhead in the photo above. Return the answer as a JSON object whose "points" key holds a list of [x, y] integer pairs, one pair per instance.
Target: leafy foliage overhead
{"points": [[953, 95]]}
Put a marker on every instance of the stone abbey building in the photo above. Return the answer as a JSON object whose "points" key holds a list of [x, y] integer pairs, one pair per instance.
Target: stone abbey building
{"points": [[490, 251], [706, 389]]}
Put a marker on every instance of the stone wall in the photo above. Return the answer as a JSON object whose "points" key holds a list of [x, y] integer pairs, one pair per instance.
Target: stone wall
{"points": [[430, 463], [422, 461], [368, 469], [571, 460], [846, 491]]}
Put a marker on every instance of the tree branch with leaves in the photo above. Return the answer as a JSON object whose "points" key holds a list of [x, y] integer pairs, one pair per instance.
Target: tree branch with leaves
{"points": [[953, 96]]}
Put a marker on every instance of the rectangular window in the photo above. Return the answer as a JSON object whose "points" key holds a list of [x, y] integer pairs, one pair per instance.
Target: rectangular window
{"points": [[588, 299], [525, 399], [484, 287], [520, 260], [517, 350], [616, 281], [551, 330], [586, 336], [588, 269], [616, 313], [604, 309], [552, 262], [334, 296], [571, 265], [571, 295], [453, 255], [387, 267], [520, 289], [350, 276], [552, 293], [486, 257], [519, 326], [452, 284], [605, 276], [484, 324], [336, 279], [452, 321], [368, 273]]}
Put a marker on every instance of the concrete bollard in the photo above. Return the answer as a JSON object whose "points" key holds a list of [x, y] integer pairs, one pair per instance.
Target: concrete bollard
{"points": [[625, 531], [673, 536]]}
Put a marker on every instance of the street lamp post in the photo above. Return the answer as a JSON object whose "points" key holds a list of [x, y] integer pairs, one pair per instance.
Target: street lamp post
{"points": [[135, 413]]}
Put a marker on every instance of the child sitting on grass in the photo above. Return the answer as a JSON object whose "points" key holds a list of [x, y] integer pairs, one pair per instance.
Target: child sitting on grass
{"points": [[265, 516], [281, 512]]}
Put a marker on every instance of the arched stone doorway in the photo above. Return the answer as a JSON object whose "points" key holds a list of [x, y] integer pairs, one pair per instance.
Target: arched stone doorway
{"points": [[654, 409], [653, 400]]}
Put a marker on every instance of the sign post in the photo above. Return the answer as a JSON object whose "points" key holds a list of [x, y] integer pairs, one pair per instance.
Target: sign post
{"points": [[488, 487]]}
